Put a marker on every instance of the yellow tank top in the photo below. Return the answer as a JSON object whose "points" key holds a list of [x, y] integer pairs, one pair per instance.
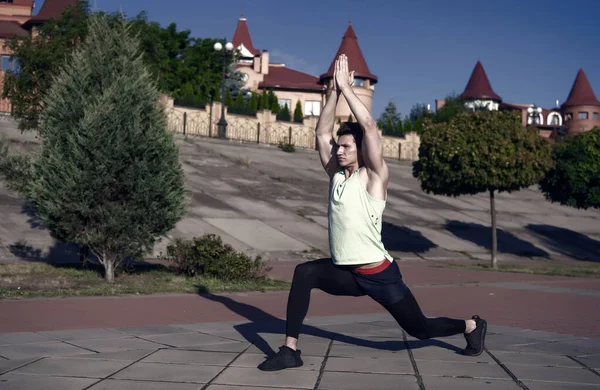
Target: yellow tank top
{"points": [[354, 222]]}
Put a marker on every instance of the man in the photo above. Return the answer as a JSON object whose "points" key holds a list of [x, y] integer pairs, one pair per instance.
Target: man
{"points": [[359, 263]]}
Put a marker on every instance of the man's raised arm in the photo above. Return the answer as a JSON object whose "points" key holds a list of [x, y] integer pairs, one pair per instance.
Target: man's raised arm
{"points": [[372, 147], [325, 141]]}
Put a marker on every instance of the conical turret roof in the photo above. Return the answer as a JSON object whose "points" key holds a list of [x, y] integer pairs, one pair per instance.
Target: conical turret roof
{"points": [[479, 86], [356, 60], [241, 36], [581, 93]]}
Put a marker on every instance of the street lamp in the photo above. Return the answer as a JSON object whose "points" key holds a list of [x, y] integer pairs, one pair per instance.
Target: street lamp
{"points": [[534, 114], [223, 53]]}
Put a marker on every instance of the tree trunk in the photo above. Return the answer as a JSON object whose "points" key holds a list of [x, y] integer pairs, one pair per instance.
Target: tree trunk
{"points": [[109, 267], [494, 239]]}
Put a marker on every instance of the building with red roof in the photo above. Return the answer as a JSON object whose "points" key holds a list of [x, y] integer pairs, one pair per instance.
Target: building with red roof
{"points": [[17, 19], [577, 114], [292, 86]]}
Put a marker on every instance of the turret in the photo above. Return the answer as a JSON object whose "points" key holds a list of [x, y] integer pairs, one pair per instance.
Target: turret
{"points": [[479, 92], [364, 80], [580, 110]]}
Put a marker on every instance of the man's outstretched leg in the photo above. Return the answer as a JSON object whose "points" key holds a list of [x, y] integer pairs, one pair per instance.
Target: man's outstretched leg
{"points": [[385, 285], [323, 275]]}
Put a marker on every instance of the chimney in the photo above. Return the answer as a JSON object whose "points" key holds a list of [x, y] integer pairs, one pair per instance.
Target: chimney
{"points": [[264, 62], [256, 64]]}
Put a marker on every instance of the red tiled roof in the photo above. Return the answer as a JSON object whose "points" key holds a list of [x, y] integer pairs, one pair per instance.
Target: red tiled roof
{"points": [[9, 29], [356, 60], [50, 9], [581, 93], [286, 78], [242, 36], [479, 86]]}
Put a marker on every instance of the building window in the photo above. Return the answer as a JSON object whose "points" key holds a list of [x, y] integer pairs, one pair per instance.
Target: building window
{"points": [[283, 102], [583, 115], [9, 64], [595, 116], [554, 119], [312, 108], [358, 82], [568, 116]]}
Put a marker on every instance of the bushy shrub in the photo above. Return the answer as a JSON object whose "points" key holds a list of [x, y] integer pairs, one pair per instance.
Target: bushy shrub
{"points": [[287, 147], [209, 256]]}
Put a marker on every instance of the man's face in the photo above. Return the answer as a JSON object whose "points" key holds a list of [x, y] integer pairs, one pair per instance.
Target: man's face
{"points": [[347, 153]]}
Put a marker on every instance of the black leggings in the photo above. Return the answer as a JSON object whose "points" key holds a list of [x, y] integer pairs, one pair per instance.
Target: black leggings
{"points": [[339, 280]]}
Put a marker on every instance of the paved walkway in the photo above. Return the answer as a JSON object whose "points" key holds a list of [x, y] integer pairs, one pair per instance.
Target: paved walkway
{"points": [[340, 352], [543, 334]]}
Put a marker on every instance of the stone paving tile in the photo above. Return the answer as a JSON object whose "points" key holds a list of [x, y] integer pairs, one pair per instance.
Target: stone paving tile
{"points": [[225, 347], [540, 335], [22, 338], [114, 345], [539, 385], [129, 355], [114, 384], [55, 348], [252, 360], [190, 357], [441, 351], [574, 348], [445, 383], [225, 387], [152, 330], [186, 339], [8, 365], [239, 376], [307, 349], [210, 327], [20, 382], [473, 370], [400, 365], [359, 381], [83, 334], [169, 372], [536, 359], [558, 374], [73, 367], [592, 361], [395, 350]]}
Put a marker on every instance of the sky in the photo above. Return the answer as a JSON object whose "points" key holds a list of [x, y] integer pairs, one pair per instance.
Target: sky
{"points": [[420, 50]]}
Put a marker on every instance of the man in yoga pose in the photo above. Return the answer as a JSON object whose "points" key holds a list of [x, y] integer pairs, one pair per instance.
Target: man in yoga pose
{"points": [[359, 263]]}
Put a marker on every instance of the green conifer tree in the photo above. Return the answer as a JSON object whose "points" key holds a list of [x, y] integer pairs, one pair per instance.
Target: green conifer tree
{"points": [[108, 175]]}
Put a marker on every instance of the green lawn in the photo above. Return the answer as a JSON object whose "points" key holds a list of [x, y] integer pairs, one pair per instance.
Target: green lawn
{"points": [[33, 279], [579, 271]]}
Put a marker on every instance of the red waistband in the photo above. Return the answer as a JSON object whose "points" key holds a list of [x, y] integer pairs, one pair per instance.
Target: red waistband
{"points": [[374, 270]]}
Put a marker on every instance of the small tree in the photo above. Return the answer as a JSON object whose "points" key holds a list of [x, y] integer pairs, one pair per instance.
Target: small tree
{"points": [[108, 176], [298, 116], [252, 105], [484, 151], [575, 178], [273, 102], [389, 118], [228, 100], [452, 107], [239, 105], [264, 101], [284, 114], [216, 97]]}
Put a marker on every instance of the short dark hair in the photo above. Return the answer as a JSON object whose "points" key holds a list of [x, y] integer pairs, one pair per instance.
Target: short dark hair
{"points": [[353, 128]]}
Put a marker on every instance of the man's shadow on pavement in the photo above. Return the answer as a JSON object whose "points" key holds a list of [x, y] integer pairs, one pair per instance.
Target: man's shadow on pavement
{"points": [[263, 322]]}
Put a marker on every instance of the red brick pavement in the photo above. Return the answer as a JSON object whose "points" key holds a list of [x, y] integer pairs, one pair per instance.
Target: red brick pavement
{"points": [[571, 314]]}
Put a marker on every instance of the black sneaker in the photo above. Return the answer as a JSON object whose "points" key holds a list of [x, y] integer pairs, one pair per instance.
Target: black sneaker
{"points": [[476, 339], [285, 358]]}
